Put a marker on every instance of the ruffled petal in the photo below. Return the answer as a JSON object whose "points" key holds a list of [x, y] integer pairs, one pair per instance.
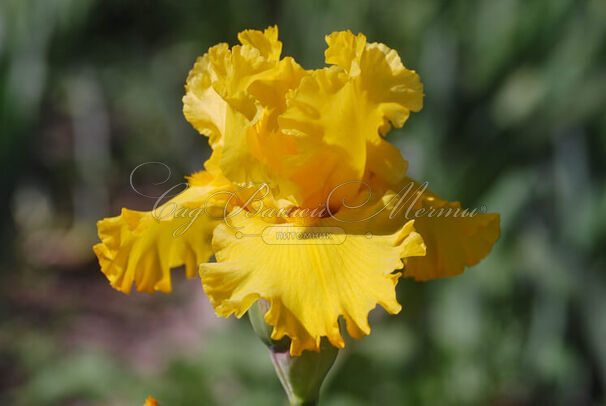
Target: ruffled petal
{"points": [[234, 96], [338, 114], [455, 238], [265, 42], [202, 105], [329, 123], [142, 247], [307, 285], [344, 50], [216, 101], [395, 90], [216, 88], [258, 154], [381, 74], [384, 163]]}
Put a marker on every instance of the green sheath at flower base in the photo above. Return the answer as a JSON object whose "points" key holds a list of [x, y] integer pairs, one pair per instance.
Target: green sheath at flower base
{"points": [[300, 376], [256, 315]]}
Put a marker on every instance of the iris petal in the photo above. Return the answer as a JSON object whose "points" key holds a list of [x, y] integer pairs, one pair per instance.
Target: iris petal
{"points": [[455, 238], [142, 247], [454, 242], [308, 285], [338, 114]]}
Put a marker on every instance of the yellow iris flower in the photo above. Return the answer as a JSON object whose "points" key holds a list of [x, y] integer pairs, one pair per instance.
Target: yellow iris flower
{"points": [[314, 140]]}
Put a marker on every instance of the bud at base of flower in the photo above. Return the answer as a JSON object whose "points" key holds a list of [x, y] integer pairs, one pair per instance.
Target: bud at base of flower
{"points": [[301, 376]]}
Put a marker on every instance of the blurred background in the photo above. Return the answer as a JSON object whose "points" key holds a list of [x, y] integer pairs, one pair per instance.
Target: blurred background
{"points": [[513, 120]]}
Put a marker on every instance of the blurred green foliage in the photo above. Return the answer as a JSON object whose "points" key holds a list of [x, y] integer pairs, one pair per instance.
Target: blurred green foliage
{"points": [[513, 120]]}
